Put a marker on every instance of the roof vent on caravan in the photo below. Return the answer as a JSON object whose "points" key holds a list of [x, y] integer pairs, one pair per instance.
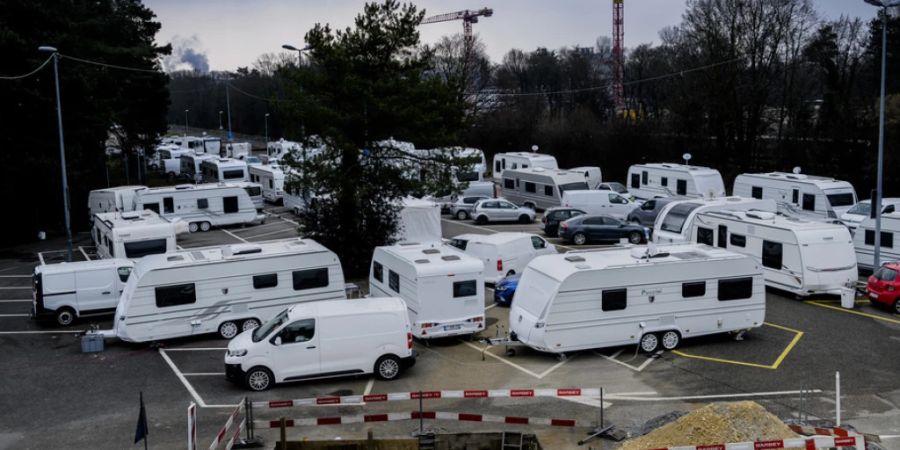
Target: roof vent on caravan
{"points": [[184, 186], [761, 215], [175, 258], [538, 169], [132, 215], [575, 258], [450, 258], [408, 243], [198, 255], [235, 250], [431, 251], [582, 266], [422, 261]]}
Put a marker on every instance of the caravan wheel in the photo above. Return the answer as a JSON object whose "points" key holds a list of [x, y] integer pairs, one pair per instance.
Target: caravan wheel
{"points": [[670, 340], [193, 227], [204, 226], [228, 330], [649, 343], [249, 324]]}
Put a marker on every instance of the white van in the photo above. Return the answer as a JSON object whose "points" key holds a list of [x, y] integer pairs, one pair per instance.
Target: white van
{"points": [[798, 194], [202, 206], [443, 289], [592, 175], [115, 199], [864, 240], [321, 340], [675, 219], [607, 203], [66, 291], [538, 187], [648, 181], [190, 166], [863, 209], [134, 234], [219, 170], [799, 256], [522, 160], [503, 254], [169, 162], [625, 296], [223, 289], [271, 178]]}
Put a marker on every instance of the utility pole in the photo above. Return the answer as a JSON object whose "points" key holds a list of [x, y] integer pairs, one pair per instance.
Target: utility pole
{"points": [[62, 150]]}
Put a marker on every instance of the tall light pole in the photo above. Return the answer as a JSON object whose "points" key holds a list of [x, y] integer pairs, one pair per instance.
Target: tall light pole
{"points": [[220, 120], [185, 122], [228, 110], [266, 119], [298, 50], [876, 203], [62, 150]]}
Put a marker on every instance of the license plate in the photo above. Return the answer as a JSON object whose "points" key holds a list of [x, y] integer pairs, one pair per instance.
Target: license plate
{"points": [[452, 327], [873, 296]]}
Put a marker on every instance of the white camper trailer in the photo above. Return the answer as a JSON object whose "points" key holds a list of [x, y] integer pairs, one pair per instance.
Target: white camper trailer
{"points": [[675, 219], [67, 291], [134, 234], [420, 221], [443, 289], [592, 175], [271, 178], [254, 190], [864, 240], [278, 149], [799, 256], [625, 296], [798, 194], [223, 289], [190, 166], [648, 181], [219, 170], [201, 206], [115, 199], [170, 160], [538, 187], [522, 160], [236, 150], [503, 254]]}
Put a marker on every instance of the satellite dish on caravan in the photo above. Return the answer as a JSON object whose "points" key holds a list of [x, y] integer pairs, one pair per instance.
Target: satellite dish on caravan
{"points": [[796, 170], [534, 148], [687, 157]]}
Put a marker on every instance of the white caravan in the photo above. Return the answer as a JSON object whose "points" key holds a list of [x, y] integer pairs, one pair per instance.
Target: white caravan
{"points": [[863, 209], [864, 240], [278, 149], [675, 219], [65, 291], [592, 175], [324, 339], [799, 256], [134, 234], [648, 181], [271, 177], [170, 160], [503, 254], [798, 194], [115, 199], [419, 221], [443, 289], [538, 187], [607, 203], [201, 206], [223, 289], [625, 296], [217, 170], [237, 150], [254, 190], [190, 166], [522, 160]]}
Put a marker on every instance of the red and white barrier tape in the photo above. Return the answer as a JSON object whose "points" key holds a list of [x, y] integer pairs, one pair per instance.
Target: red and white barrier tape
{"points": [[416, 415], [398, 396], [192, 426], [237, 434], [808, 443], [220, 436], [809, 431]]}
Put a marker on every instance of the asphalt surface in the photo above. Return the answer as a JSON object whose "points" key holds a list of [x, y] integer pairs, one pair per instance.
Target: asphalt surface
{"points": [[54, 396]]}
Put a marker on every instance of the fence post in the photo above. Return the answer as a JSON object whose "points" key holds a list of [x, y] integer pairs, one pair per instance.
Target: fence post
{"points": [[248, 413], [283, 445]]}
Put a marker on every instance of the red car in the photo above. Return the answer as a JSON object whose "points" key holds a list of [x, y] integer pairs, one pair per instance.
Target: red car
{"points": [[884, 286]]}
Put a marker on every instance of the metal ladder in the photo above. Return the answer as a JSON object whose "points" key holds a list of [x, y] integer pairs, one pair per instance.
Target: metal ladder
{"points": [[512, 444]]}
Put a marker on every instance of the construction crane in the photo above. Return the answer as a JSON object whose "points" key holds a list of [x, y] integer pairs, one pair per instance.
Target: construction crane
{"points": [[618, 54], [468, 17]]}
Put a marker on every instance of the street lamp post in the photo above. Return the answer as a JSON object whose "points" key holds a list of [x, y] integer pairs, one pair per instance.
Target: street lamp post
{"points": [[62, 150], [220, 120], [266, 119], [298, 50], [876, 202], [185, 121]]}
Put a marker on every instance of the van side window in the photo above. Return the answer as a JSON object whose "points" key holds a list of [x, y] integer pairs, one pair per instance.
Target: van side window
{"points": [[265, 281], [723, 236], [299, 331], [771, 254], [394, 281], [168, 205], [530, 187], [735, 288], [738, 240], [664, 181], [756, 192], [230, 204], [887, 238], [809, 202], [704, 236], [310, 278], [465, 289], [694, 289], [635, 180], [202, 203], [614, 299], [124, 273], [508, 183], [538, 243], [378, 271], [681, 187], [179, 294], [548, 190], [617, 199]]}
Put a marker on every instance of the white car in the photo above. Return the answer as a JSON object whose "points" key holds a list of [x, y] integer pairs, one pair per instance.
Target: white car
{"points": [[462, 208], [861, 210], [501, 210]]}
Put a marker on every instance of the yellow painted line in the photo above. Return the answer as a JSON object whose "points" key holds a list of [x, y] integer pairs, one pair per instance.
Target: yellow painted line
{"points": [[787, 350], [821, 304]]}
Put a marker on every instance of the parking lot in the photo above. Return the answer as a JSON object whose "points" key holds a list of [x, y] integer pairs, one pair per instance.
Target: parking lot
{"points": [[53, 393]]}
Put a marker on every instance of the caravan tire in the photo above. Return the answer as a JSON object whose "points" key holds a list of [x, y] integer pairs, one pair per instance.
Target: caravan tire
{"points": [[204, 226], [259, 379], [193, 227], [228, 330], [634, 237], [65, 316], [670, 340], [649, 343], [462, 215], [249, 324], [387, 367]]}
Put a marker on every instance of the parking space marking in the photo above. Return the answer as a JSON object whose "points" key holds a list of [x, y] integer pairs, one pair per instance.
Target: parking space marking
{"points": [[205, 374], [256, 227], [184, 380], [41, 332], [614, 358], [234, 236], [16, 300], [632, 397], [81, 249], [822, 304], [369, 386], [15, 315], [492, 305], [503, 360], [797, 335], [272, 232], [15, 276], [282, 218], [13, 288]]}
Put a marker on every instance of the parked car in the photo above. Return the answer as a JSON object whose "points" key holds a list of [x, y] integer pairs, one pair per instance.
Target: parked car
{"points": [[617, 188], [648, 211], [883, 287], [503, 253], [863, 209], [505, 289], [591, 228], [554, 216], [462, 208], [501, 210]]}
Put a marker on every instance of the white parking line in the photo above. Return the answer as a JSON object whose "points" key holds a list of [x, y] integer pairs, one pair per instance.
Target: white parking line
{"points": [[492, 305], [623, 397], [205, 374], [272, 232], [15, 276], [41, 332], [81, 249], [282, 218], [184, 380], [12, 288], [369, 386], [614, 359], [15, 315], [503, 360], [17, 300], [234, 235]]}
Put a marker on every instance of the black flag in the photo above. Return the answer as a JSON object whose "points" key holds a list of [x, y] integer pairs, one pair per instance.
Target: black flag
{"points": [[141, 431]]}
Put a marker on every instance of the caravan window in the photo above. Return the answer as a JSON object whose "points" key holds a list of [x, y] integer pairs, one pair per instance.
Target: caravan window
{"points": [[394, 281], [738, 240], [735, 288], [299, 331], [530, 187], [310, 279], [548, 190], [695, 289], [704, 236], [756, 192], [265, 281], [809, 202], [675, 218], [723, 236], [664, 181], [644, 177], [233, 174], [887, 238], [635, 180], [681, 187], [614, 299], [576, 186], [202, 203], [844, 199], [508, 183], [465, 289], [230, 204], [179, 294], [254, 191], [143, 248], [271, 184], [152, 207], [795, 196], [168, 205], [378, 271], [772, 254], [497, 166]]}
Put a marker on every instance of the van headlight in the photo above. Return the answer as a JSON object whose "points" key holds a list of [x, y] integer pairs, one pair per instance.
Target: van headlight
{"points": [[238, 353]]}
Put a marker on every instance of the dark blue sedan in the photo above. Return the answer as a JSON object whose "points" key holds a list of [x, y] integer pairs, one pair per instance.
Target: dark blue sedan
{"points": [[583, 229], [505, 288]]}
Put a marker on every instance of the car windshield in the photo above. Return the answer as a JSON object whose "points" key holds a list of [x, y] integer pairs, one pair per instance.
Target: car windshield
{"points": [[577, 186], [885, 274], [263, 331], [617, 187], [841, 199], [862, 209], [677, 216]]}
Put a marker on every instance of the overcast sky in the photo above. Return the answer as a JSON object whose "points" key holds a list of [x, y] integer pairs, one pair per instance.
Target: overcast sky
{"points": [[233, 33]]}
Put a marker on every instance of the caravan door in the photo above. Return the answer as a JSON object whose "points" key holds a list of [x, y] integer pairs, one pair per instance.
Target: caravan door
{"points": [[296, 348], [96, 289]]}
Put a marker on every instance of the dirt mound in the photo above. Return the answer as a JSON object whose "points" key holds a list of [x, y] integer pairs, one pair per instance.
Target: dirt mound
{"points": [[716, 423]]}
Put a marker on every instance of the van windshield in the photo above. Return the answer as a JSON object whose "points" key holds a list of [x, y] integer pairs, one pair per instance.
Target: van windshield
{"points": [[861, 208], [577, 186], [677, 216], [266, 329]]}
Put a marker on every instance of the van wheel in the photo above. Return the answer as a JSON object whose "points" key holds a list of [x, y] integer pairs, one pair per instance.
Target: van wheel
{"points": [[193, 227], [65, 316], [249, 324], [462, 215], [634, 237], [670, 340], [481, 220], [649, 343], [228, 330], [204, 226], [387, 367], [259, 379], [524, 219], [579, 238]]}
